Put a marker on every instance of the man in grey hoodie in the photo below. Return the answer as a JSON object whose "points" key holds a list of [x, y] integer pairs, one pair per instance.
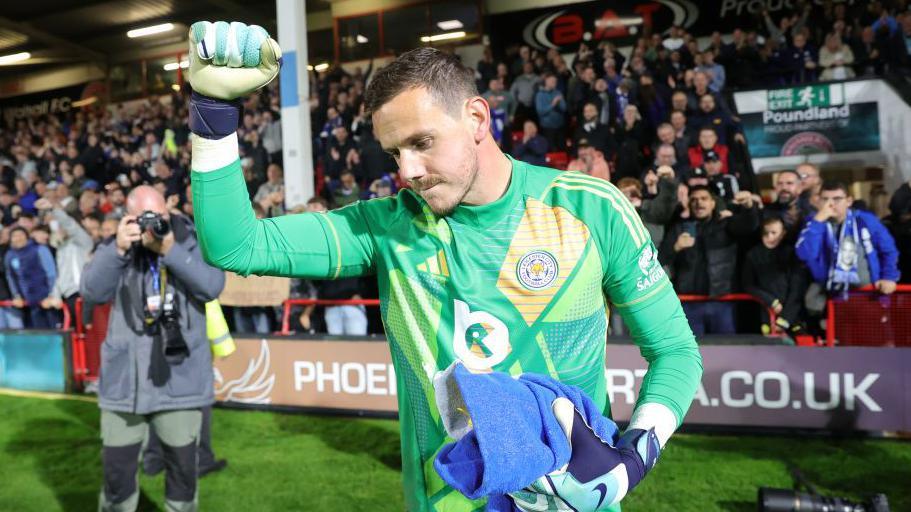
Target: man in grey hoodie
{"points": [[73, 244], [156, 365]]}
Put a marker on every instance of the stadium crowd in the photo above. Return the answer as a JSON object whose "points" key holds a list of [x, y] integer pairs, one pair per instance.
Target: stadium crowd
{"points": [[656, 121]]}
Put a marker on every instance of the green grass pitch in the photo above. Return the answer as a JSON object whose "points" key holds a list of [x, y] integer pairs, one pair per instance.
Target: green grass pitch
{"points": [[50, 461]]}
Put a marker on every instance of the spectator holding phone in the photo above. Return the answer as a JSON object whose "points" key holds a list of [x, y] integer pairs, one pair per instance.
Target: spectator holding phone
{"points": [[701, 254]]}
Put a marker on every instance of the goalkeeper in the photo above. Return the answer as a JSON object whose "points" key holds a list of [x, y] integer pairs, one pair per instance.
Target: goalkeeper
{"points": [[505, 266]]}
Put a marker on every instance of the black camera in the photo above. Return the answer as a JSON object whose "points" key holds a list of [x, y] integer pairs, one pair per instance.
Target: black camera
{"points": [[784, 500], [175, 347], [154, 223]]}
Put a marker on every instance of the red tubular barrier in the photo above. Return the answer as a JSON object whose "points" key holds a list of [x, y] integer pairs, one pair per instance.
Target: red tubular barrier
{"points": [[63, 308], [286, 308], [734, 297], [868, 318]]}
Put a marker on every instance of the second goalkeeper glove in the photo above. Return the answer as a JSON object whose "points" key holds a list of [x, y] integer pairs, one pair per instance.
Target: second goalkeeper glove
{"points": [[598, 475]]}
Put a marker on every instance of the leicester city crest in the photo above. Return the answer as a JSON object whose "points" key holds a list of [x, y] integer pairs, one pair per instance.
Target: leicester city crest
{"points": [[537, 270]]}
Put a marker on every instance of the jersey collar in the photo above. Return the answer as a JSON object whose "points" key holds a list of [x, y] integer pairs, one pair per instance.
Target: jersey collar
{"points": [[487, 215]]}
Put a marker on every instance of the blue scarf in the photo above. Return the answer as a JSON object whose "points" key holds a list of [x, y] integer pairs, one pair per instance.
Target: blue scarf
{"points": [[845, 253]]}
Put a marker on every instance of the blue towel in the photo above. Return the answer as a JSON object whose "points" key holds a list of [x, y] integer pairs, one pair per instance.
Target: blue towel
{"points": [[512, 436]]}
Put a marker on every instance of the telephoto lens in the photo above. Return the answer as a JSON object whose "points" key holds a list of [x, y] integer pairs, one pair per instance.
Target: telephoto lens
{"points": [[785, 500]]}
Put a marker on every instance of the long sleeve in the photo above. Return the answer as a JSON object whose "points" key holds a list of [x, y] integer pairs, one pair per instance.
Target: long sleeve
{"points": [[750, 280], [11, 280], [102, 275], [675, 365], [203, 281], [811, 249], [886, 250], [660, 209], [48, 265], [321, 246], [73, 229]]}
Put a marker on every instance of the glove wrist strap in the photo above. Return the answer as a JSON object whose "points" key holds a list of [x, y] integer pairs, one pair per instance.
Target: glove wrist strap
{"points": [[212, 118]]}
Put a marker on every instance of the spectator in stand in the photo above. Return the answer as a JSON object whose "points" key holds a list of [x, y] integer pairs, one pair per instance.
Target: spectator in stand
{"points": [[772, 273], [271, 194], [708, 114], [681, 132], [550, 106], [347, 190], [708, 142], [713, 70], [590, 161], [10, 317], [523, 90], [788, 26], [502, 108], [810, 184], [270, 132], [533, 148], [787, 206], [668, 137], [846, 248], [801, 61], [592, 130], [333, 121], [836, 58], [702, 256], [656, 204], [73, 245], [30, 274], [868, 60], [724, 186], [339, 154], [699, 90], [666, 156], [631, 139]]}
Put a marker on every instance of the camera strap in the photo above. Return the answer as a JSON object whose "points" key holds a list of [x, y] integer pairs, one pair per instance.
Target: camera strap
{"points": [[160, 300]]}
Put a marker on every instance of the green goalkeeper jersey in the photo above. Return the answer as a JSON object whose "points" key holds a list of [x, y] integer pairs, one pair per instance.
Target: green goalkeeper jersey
{"points": [[517, 285]]}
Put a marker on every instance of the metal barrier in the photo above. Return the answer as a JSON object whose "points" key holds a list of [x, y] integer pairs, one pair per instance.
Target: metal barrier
{"points": [[65, 325], [736, 297], [286, 308], [87, 341], [869, 318]]}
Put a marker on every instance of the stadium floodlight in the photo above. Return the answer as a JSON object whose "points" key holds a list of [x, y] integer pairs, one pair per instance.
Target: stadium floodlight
{"points": [[148, 31], [450, 25], [442, 37], [361, 39], [321, 67], [172, 66], [14, 58], [176, 87]]}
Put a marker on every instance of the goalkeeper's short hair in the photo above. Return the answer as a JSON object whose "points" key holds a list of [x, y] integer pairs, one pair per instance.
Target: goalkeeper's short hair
{"points": [[444, 76]]}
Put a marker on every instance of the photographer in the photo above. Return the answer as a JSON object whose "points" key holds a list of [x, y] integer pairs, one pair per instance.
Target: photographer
{"points": [[156, 363]]}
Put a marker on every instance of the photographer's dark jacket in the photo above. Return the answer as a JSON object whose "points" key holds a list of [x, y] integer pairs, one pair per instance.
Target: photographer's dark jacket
{"points": [[709, 267], [135, 377]]}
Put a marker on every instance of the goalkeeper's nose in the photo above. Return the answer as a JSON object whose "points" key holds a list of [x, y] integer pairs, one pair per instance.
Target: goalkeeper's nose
{"points": [[411, 165]]}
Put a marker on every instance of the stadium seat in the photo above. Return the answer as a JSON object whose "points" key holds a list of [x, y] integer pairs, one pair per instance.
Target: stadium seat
{"points": [[557, 160]]}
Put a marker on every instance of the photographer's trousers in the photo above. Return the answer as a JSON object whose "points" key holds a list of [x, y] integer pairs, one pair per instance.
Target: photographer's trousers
{"points": [[123, 436]]}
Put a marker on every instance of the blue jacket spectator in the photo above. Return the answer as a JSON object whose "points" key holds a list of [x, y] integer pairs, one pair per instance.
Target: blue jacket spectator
{"points": [[533, 148], [551, 108], [846, 248], [30, 273]]}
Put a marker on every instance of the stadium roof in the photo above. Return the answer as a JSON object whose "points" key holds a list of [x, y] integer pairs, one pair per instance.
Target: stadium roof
{"points": [[57, 32]]}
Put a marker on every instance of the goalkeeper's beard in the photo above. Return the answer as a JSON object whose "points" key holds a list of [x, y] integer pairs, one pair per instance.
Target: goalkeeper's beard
{"points": [[442, 195]]}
